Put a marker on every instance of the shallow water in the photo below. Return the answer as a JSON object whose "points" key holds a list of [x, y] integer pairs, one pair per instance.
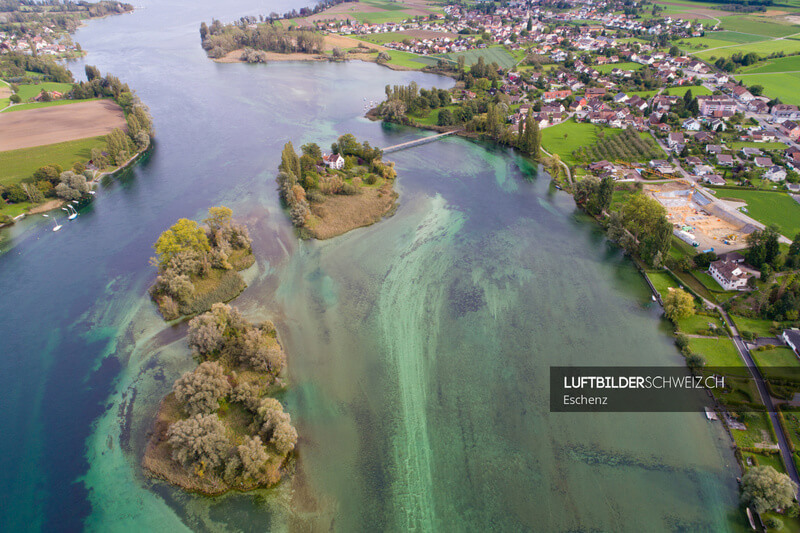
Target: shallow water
{"points": [[418, 347]]}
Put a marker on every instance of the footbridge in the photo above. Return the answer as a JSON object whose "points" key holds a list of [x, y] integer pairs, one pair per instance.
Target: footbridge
{"points": [[417, 142]]}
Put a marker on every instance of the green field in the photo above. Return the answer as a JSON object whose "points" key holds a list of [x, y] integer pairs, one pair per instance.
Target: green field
{"points": [[783, 86], [662, 281], [408, 60], [757, 326], [738, 145], [18, 164], [673, 91], [763, 48], [37, 105], [494, 54], [26, 92], [696, 44], [564, 138], [758, 430], [611, 66], [780, 64], [694, 324], [780, 362], [432, 118], [757, 26], [719, 352], [769, 208], [773, 460]]}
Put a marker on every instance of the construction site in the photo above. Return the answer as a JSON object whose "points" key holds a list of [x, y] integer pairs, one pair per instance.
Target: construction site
{"points": [[700, 219]]}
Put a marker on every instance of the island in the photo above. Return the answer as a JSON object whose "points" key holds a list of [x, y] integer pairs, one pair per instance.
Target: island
{"points": [[199, 266], [330, 194], [220, 428]]}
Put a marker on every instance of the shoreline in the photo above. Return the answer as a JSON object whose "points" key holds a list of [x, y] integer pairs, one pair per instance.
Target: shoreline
{"points": [[233, 57]]}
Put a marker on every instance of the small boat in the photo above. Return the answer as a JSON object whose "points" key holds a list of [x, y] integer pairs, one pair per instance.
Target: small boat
{"points": [[92, 193], [57, 226], [653, 297], [558, 187], [710, 414], [71, 212]]}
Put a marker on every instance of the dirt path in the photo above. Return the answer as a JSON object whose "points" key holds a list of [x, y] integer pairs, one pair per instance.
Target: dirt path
{"points": [[50, 125]]}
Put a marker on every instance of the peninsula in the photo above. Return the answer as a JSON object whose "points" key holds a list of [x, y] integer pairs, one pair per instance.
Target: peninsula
{"points": [[220, 429], [329, 195], [198, 265]]}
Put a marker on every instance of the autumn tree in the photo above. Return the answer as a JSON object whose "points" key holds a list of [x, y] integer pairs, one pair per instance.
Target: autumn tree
{"points": [[199, 442], [72, 186], [184, 235], [678, 304], [201, 389]]}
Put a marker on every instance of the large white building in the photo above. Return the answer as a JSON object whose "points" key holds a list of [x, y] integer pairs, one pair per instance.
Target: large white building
{"points": [[728, 274]]}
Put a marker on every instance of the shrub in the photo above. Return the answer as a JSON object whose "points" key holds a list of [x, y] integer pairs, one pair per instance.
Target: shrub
{"points": [[199, 441]]}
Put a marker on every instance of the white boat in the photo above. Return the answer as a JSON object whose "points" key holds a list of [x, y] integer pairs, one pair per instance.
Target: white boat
{"points": [[710, 414], [71, 212], [57, 226]]}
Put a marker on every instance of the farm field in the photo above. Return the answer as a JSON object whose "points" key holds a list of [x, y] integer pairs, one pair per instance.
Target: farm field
{"points": [[738, 145], [762, 48], [696, 44], [408, 60], [675, 91], [564, 138], [18, 164], [39, 127], [781, 64], [494, 54], [757, 26], [769, 208], [785, 86]]}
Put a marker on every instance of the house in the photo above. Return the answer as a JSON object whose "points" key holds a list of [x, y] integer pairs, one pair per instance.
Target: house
{"points": [[703, 170], [728, 274], [762, 162], [775, 173], [725, 160], [742, 94], [785, 112], [662, 166], [675, 141], [792, 339], [592, 92], [732, 257], [334, 161], [620, 97], [751, 152], [552, 96], [713, 179], [713, 148], [637, 102], [703, 137], [601, 166], [691, 124], [718, 124], [791, 129], [714, 105]]}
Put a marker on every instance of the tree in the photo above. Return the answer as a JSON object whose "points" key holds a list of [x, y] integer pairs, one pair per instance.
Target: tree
{"points": [[252, 456], [184, 235], [678, 304], [199, 441], [202, 389], [218, 217], [605, 194], [765, 488], [72, 187]]}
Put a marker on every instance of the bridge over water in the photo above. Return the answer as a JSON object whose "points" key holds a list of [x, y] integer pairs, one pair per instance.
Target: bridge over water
{"points": [[417, 142]]}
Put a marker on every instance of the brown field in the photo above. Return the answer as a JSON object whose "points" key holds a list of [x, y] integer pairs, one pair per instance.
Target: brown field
{"points": [[50, 125], [340, 214]]}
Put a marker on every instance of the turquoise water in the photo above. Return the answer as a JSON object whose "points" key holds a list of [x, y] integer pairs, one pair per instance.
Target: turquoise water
{"points": [[418, 347]]}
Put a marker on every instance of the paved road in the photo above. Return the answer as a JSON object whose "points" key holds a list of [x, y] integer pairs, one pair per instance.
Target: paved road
{"points": [[766, 399]]}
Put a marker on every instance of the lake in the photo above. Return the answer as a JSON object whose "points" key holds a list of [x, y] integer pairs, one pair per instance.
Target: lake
{"points": [[418, 348]]}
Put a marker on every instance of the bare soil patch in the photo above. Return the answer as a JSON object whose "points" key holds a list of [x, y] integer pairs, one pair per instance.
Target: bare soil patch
{"points": [[45, 207], [50, 125], [340, 214]]}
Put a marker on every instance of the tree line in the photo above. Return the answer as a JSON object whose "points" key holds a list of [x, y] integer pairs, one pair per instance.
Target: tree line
{"points": [[218, 39]]}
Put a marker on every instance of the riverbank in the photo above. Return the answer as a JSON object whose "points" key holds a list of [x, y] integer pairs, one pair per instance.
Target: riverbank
{"points": [[235, 57]]}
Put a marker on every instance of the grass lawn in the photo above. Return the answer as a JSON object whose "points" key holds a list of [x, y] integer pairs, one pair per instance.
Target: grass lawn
{"points": [[763, 48], [409, 60], [493, 54], [773, 460], [694, 324], [432, 117], [37, 105], [791, 423], [662, 281], [780, 362], [757, 326], [26, 92], [18, 164], [769, 208], [564, 138], [674, 91], [757, 433], [619, 198], [738, 145], [611, 66], [719, 352], [696, 44], [14, 210]]}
